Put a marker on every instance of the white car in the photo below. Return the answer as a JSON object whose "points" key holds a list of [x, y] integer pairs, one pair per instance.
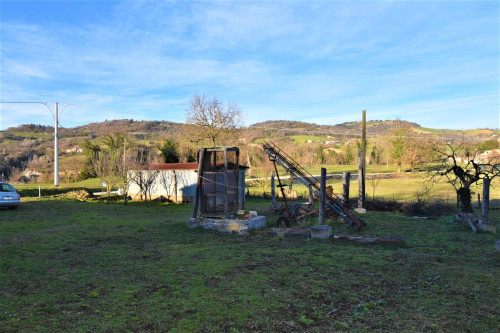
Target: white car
{"points": [[9, 196]]}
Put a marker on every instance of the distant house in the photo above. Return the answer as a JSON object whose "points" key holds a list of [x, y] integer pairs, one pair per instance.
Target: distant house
{"points": [[176, 182], [488, 156], [329, 142], [74, 150]]}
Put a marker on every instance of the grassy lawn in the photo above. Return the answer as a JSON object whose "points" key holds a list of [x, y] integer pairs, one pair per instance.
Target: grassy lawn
{"points": [[68, 266], [31, 190]]}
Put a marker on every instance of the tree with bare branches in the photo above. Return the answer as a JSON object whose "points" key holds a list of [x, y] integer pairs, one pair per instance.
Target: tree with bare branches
{"points": [[142, 173], [460, 166], [212, 118], [168, 180], [107, 169]]}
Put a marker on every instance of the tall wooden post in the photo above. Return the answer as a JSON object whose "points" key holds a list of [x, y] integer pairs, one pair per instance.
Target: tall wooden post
{"points": [[322, 197], [361, 177], [485, 207], [273, 190], [226, 213], [346, 178], [362, 182]]}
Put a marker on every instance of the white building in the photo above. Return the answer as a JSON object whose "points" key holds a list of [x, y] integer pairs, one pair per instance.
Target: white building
{"points": [[175, 181]]}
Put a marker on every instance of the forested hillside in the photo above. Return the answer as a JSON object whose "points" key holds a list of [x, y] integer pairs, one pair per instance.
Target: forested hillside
{"points": [[27, 151]]}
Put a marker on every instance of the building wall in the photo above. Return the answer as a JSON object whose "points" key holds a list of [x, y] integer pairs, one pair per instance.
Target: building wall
{"points": [[186, 185]]}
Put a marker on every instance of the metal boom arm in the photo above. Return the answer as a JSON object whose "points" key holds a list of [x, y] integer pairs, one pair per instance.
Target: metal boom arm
{"points": [[302, 175]]}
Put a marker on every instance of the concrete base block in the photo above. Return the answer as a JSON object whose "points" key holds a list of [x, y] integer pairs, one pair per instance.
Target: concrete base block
{"points": [[228, 225], [321, 231], [192, 222], [487, 227], [360, 210]]}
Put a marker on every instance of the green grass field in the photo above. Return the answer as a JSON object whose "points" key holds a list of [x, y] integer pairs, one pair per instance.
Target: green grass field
{"points": [[403, 188], [70, 266]]}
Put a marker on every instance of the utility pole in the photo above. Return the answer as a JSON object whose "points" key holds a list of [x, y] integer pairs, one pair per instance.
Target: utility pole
{"points": [[56, 146], [362, 164], [56, 129]]}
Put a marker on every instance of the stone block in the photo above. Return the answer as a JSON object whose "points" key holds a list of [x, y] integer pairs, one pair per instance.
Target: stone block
{"points": [[321, 231], [360, 210], [487, 227], [192, 222], [228, 225]]}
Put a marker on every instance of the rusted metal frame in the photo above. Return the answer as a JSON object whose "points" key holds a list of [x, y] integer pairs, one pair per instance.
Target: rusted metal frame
{"points": [[281, 188], [199, 190], [294, 167]]}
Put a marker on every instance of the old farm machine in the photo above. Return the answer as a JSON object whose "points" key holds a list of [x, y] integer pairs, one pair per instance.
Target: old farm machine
{"points": [[278, 156]]}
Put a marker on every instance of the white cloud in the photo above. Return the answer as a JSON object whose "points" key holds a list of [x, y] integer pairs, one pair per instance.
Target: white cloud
{"points": [[279, 60]]}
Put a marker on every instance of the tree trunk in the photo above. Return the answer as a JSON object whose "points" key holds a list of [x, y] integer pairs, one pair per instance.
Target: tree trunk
{"points": [[249, 165], [175, 187], [108, 191], [465, 198], [485, 207]]}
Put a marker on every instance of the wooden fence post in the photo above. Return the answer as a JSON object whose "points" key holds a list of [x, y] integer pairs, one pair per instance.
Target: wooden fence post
{"points": [[361, 180], [346, 178]]}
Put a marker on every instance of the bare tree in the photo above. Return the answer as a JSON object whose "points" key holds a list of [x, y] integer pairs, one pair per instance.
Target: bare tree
{"points": [[263, 178], [142, 173], [374, 181], [211, 118], [71, 168], [145, 179], [460, 166], [107, 169], [168, 179]]}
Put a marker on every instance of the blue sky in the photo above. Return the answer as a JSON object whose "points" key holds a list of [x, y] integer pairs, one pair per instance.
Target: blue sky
{"points": [[431, 62]]}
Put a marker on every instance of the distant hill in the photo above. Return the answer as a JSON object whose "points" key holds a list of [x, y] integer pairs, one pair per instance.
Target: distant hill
{"points": [[373, 128], [32, 146], [151, 129]]}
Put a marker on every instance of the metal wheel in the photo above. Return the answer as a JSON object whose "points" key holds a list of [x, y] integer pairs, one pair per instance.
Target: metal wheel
{"points": [[299, 215], [282, 222]]}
